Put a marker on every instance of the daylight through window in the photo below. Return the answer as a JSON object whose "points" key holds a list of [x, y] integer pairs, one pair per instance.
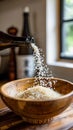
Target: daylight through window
{"points": [[66, 34]]}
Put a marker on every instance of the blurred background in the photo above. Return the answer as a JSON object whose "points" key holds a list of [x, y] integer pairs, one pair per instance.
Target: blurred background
{"points": [[50, 28]]}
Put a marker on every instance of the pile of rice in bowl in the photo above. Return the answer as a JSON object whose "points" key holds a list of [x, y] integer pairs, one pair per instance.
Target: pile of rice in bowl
{"points": [[38, 93]]}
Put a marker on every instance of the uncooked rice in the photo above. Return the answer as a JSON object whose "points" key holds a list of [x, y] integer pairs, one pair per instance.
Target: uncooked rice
{"points": [[38, 93]]}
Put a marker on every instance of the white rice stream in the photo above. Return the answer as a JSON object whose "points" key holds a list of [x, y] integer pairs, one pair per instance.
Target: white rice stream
{"points": [[41, 69]]}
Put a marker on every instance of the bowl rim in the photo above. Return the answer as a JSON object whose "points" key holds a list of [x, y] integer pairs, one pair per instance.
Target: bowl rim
{"points": [[25, 100]]}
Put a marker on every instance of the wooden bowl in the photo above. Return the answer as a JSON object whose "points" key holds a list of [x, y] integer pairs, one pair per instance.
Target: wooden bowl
{"points": [[37, 112]]}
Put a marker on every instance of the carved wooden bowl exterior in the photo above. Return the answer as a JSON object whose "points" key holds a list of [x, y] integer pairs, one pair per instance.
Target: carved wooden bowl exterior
{"points": [[37, 112]]}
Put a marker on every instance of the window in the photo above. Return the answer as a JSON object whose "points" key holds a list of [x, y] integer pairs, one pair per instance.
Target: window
{"points": [[66, 34]]}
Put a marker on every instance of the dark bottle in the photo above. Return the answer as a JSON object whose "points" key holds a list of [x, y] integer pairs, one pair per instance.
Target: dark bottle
{"points": [[12, 58], [25, 59]]}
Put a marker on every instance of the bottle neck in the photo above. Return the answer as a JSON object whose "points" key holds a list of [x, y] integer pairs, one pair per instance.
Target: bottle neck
{"points": [[26, 30]]}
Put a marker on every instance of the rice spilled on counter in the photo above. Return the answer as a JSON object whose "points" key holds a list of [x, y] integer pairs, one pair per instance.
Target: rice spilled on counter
{"points": [[38, 93]]}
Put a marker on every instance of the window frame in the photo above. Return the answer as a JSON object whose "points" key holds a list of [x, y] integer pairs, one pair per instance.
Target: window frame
{"points": [[62, 21]]}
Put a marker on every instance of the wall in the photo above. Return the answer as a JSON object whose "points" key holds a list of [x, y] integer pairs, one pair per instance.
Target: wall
{"points": [[51, 29]]}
